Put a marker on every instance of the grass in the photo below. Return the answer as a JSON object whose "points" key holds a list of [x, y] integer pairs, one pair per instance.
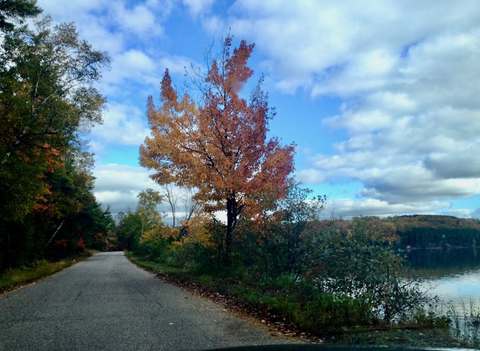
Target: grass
{"points": [[12, 279], [295, 314], [466, 324]]}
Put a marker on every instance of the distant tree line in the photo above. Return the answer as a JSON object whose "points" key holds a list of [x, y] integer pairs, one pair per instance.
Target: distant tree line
{"points": [[424, 231]]}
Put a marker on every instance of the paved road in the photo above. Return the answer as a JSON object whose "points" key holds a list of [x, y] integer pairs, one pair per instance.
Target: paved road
{"points": [[107, 303]]}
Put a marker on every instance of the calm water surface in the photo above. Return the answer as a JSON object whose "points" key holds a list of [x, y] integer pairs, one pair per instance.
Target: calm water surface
{"points": [[453, 275]]}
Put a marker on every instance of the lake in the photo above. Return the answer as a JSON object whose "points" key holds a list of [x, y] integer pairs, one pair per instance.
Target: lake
{"points": [[453, 275]]}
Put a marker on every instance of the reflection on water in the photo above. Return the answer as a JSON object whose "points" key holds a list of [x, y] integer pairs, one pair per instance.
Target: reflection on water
{"points": [[441, 263], [452, 275]]}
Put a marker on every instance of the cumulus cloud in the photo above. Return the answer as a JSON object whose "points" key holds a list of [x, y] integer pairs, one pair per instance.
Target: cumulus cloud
{"points": [[123, 125], [117, 185], [407, 74], [462, 162], [139, 20], [464, 213], [130, 67], [408, 77], [311, 43], [108, 26], [120, 28], [197, 7], [72, 10], [347, 208], [414, 183]]}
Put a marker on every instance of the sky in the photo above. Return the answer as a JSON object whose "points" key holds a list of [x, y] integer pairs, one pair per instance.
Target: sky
{"points": [[381, 97]]}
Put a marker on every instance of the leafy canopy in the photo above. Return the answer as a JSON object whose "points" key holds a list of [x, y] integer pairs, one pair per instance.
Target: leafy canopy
{"points": [[219, 145], [12, 11]]}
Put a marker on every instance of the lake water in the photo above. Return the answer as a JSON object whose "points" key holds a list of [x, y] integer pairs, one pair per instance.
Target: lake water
{"points": [[453, 275]]}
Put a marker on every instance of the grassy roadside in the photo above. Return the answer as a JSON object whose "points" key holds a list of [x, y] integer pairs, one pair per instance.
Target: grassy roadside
{"points": [[16, 278], [280, 315]]}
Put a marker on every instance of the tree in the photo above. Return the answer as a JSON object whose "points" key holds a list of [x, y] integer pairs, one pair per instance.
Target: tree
{"points": [[16, 11], [295, 218], [129, 230], [219, 145], [172, 199], [355, 262], [133, 225], [190, 205], [47, 98], [148, 200]]}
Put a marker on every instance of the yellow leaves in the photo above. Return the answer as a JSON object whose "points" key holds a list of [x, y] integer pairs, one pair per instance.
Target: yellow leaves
{"points": [[197, 231], [219, 147], [192, 232], [160, 232]]}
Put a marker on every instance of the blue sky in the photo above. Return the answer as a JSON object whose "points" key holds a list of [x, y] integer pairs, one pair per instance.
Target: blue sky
{"points": [[381, 97]]}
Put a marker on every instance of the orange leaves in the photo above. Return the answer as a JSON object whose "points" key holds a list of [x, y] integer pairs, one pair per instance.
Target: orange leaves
{"points": [[219, 147], [81, 244], [63, 242]]}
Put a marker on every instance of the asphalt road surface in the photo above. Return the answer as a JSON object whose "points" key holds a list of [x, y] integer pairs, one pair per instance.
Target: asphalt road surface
{"points": [[107, 303]]}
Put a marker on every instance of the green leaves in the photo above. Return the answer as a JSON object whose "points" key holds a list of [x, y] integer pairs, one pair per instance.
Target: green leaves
{"points": [[47, 99], [12, 11]]}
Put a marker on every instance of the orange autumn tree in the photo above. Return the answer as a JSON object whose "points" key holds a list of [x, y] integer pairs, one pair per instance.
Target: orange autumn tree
{"points": [[219, 145]]}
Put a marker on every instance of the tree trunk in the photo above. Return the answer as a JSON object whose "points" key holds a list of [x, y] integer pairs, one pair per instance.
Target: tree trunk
{"points": [[231, 221], [56, 231]]}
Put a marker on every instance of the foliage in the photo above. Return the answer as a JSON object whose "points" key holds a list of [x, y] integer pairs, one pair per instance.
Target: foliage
{"points": [[281, 241], [355, 263], [128, 230], [219, 146], [436, 231], [133, 225], [294, 224], [46, 79], [12, 11], [318, 274], [148, 200], [156, 241], [47, 100], [68, 216]]}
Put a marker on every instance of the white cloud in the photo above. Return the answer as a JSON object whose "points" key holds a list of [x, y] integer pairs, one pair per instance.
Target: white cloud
{"points": [[131, 66], [463, 213], [310, 176], [140, 20], [215, 25], [136, 71], [198, 7], [123, 125], [175, 64], [71, 10], [463, 162], [408, 76], [414, 183], [308, 44], [407, 72], [347, 208], [118, 186], [101, 38], [396, 184]]}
